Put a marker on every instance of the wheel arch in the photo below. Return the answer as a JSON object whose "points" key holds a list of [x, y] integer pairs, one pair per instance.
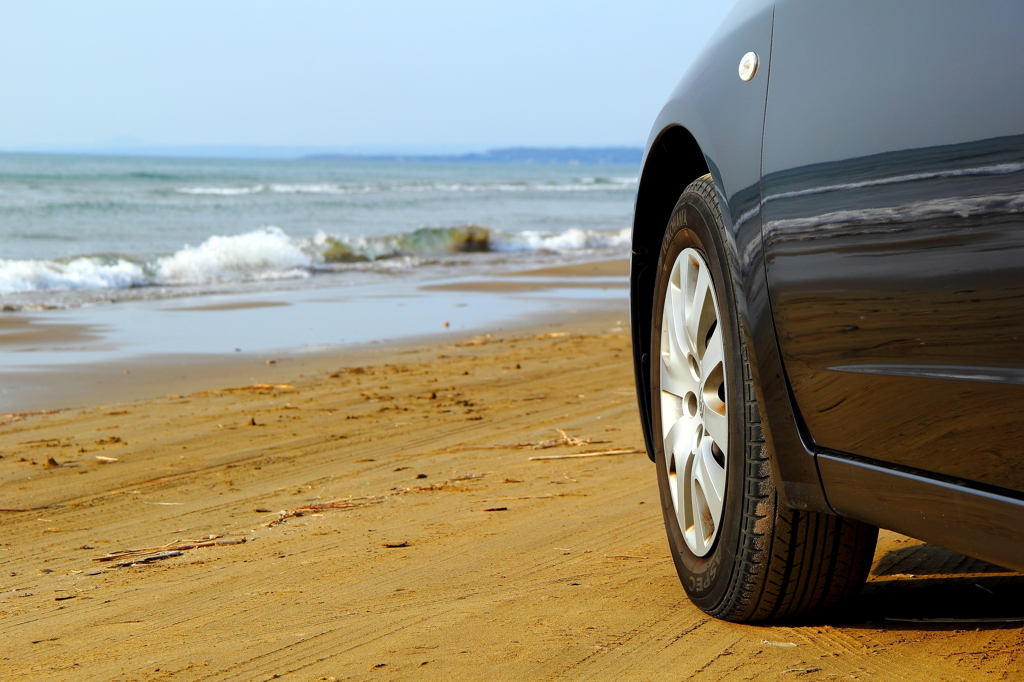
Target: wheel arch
{"points": [[676, 157], [673, 161]]}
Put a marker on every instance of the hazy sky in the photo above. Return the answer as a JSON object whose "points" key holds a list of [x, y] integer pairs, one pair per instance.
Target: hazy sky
{"points": [[369, 76]]}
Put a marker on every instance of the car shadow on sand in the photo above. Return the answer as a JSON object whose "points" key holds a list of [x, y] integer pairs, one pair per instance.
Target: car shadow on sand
{"points": [[925, 586]]}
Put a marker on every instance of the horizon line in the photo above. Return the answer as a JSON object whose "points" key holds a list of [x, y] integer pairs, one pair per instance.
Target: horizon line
{"points": [[301, 152]]}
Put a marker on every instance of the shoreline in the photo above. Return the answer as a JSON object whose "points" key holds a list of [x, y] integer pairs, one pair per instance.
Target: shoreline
{"points": [[50, 364], [145, 377]]}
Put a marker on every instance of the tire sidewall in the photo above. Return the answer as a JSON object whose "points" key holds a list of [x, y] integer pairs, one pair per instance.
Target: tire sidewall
{"points": [[707, 579]]}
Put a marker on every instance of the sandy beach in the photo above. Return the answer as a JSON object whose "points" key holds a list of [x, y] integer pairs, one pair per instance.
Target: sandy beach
{"points": [[388, 514]]}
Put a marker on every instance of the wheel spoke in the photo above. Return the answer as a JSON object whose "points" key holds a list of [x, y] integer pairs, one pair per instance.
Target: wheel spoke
{"points": [[696, 308], [714, 354], [712, 479], [675, 313], [700, 532], [679, 486], [679, 439], [718, 426], [676, 379], [673, 478], [678, 447]]}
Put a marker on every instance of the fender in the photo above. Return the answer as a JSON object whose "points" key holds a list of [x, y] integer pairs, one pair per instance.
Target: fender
{"points": [[713, 122]]}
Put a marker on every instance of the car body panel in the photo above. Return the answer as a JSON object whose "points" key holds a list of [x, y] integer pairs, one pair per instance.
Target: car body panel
{"points": [[893, 204], [967, 519], [722, 117], [725, 114]]}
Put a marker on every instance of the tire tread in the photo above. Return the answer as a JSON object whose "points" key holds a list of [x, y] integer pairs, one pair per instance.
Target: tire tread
{"points": [[789, 562]]}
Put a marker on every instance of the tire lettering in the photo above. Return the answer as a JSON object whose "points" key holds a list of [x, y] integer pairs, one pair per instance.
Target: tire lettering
{"points": [[703, 582]]}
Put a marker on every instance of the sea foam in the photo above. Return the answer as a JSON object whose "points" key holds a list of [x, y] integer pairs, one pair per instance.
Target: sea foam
{"points": [[570, 240], [270, 254], [222, 191], [18, 276], [262, 254]]}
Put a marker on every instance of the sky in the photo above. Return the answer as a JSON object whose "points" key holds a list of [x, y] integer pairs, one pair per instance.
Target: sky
{"points": [[366, 77]]}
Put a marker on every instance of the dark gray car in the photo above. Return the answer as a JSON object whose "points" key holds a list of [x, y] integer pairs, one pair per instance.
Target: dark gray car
{"points": [[827, 291]]}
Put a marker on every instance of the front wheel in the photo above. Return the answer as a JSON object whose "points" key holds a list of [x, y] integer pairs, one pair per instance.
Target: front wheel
{"points": [[740, 554]]}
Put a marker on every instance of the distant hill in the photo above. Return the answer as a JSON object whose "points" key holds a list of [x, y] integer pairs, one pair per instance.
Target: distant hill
{"points": [[534, 155]]}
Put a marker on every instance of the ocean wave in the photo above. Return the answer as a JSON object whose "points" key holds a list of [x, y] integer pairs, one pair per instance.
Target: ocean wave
{"points": [[271, 254], [222, 191], [262, 254], [570, 240], [18, 276], [318, 188], [587, 184]]}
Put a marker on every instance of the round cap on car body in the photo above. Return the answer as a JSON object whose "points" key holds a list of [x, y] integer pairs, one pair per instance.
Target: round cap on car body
{"points": [[748, 66]]}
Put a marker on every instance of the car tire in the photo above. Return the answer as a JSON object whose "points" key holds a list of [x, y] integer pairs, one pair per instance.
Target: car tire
{"points": [[740, 554]]}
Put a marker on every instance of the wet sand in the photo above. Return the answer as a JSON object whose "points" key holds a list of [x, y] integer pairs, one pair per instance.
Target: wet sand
{"points": [[521, 286], [141, 349], [25, 333], [605, 268], [439, 549]]}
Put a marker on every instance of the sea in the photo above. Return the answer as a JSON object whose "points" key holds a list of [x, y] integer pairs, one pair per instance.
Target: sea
{"points": [[115, 269], [83, 231]]}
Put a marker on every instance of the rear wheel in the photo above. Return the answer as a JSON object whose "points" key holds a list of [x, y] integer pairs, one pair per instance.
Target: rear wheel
{"points": [[740, 554]]}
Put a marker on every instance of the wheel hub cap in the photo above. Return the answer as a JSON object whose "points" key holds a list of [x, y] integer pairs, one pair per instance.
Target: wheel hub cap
{"points": [[694, 405]]}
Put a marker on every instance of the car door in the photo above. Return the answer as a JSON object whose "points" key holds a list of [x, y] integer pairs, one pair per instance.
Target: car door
{"points": [[893, 219]]}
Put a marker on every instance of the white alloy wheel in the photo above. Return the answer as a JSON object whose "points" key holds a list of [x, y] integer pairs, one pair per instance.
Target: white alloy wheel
{"points": [[741, 553], [694, 409]]}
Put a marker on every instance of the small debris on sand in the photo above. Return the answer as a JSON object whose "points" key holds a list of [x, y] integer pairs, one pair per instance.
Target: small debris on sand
{"points": [[174, 548], [606, 453]]}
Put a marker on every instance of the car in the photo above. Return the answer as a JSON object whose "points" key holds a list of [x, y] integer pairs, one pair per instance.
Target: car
{"points": [[827, 297]]}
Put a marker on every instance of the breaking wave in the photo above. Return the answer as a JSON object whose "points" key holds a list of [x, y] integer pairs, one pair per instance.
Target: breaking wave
{"points": [[262, 254], [17, 276], [222, 191], [271, 254]]}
